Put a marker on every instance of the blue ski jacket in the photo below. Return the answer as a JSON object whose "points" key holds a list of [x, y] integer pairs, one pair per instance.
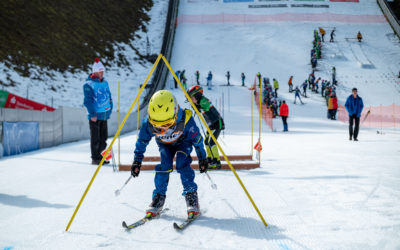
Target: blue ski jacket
{"points": [[189, 135], [354, 106], [97, 98]]}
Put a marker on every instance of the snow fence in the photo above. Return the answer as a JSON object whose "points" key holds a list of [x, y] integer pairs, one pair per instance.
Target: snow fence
{"points": [[266, 113], [63, 125], [375, 117]]}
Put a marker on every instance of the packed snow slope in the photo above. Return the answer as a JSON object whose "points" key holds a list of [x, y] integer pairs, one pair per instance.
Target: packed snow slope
{"points": [[217, 37], [315, 188]]}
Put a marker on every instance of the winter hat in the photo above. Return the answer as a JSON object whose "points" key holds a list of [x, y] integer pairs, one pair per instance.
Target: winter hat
{"points": [[97, 66]]}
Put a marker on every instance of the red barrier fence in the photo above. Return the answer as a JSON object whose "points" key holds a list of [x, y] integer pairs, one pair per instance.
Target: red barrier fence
{"points": [[266, 113], [375, 117]]}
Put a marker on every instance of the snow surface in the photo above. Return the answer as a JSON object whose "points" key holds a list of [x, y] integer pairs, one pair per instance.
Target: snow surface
{"points": [[315, 188], [71, 93]]}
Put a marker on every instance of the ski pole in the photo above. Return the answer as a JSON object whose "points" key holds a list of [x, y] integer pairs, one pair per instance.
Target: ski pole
{"points": [[118, 191], [213, 185]]}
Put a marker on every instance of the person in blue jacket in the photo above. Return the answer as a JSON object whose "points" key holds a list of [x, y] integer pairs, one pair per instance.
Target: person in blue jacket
{"points": [[354, 106], [176, 133], [209, 80], [98, 102]]}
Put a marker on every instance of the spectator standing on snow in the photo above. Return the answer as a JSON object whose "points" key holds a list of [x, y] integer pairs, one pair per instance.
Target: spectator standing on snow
{"points": [[259, 78], [276, 87], [228, 76], [304, 88], [332, 106], [354, 106], [284, 113], [314, 62], [323, 84], [182, 75], [98, 102], [178, 74], [290, 83], [209, 79], [359, 36], [332, 35], [243, 78], [333, 75], [322, 32], [297, 94], [184, 82], [197, 74]]}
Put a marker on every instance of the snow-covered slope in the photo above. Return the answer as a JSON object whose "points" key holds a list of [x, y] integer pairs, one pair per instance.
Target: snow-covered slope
{"points": [[316, 189]]}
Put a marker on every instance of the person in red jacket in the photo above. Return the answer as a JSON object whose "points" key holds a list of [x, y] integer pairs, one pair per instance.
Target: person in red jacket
{"points": [[284, 113]]}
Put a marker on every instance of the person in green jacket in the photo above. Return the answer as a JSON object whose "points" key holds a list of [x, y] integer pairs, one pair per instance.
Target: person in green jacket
{"points": [[276, 87], [214, 122]]}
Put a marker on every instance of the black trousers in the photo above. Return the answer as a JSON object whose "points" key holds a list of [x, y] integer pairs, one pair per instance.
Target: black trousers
{"points": [[284, 120], [354, 133], [98, 138]]}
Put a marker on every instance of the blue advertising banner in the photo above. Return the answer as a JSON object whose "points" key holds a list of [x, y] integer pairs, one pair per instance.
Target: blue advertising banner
{"points": [[20, 137]]}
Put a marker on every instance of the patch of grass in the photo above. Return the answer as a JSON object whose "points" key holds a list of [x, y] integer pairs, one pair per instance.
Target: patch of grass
{"points": [[65, 36]]}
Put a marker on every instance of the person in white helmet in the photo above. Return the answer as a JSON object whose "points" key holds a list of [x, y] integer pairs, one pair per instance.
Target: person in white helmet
{"points": [[98, 102]]}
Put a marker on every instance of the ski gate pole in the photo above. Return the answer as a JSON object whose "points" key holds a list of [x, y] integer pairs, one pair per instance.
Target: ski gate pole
{"points": [[113, 140], [119, 123], [215, 140], [259, 129], [137, 118], [251, 99]]}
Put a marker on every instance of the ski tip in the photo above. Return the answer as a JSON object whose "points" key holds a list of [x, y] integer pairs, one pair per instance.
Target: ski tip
{"points": [[176, 226], [124, 224]]}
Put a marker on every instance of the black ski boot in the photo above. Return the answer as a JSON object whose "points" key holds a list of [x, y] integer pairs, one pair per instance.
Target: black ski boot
{"points": [[192, 203], [215, 164], [156, 205]]}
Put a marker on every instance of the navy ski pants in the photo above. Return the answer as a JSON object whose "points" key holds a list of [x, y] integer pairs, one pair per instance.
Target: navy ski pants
{"points": [[183, 160]]}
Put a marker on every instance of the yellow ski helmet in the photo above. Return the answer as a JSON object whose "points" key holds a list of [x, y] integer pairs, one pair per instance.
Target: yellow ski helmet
{"points": [[163, 109]]}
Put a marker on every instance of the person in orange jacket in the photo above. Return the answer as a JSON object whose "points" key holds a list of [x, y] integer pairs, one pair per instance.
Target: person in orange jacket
{"points": [[290, 83], [332, 106], [322, 32], [284, 113], [359, 36]]}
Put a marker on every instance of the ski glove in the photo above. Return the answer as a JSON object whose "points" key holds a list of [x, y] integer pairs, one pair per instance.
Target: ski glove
{"points": [[135, 169], [203, 165]]}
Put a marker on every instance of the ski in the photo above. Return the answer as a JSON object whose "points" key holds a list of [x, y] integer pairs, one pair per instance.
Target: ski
{"points": [[186, 223], [142, 221]]}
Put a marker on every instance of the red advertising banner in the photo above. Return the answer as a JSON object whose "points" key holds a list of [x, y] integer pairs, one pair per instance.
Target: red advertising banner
{"points": [[17, 102]]}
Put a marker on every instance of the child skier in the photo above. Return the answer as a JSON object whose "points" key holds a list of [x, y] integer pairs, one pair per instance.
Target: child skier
{"points": [[176, 133], [290, 83], [214, 121], [297, 94], [359, 36]]}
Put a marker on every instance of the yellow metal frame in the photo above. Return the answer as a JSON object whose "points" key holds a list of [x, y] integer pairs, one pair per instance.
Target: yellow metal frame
{"points": [[138, 118], [123, 123]]}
